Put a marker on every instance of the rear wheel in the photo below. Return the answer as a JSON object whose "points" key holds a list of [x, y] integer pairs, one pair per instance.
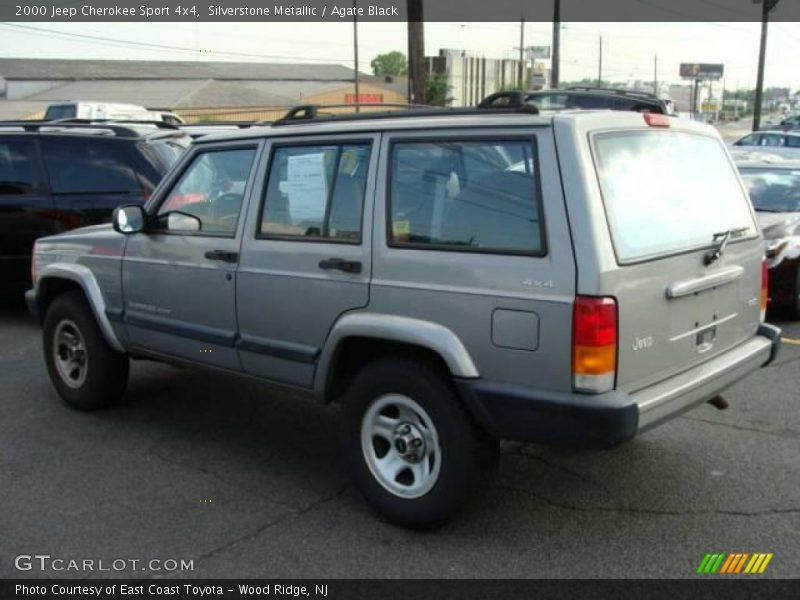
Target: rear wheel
{"points": [[416, 454], [87, 373]]}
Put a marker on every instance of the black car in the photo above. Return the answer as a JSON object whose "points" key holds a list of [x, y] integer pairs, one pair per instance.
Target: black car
{"points": [[774, 187], [56, 176], [584, 98]]}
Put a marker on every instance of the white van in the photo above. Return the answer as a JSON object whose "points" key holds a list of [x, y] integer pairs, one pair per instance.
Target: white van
{"points": [[104, 110]]}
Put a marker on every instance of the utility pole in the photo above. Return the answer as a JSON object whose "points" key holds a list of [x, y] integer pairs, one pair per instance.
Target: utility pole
{"points": [[520, 68], [655, 74], [600, 64], [355, 53], [416, 51], [766, 7], [556, 44]]}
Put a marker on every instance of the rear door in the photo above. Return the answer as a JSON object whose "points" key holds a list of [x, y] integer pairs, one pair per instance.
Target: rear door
{"points": [[671, 199], [306, 256], [26, 209], [89, 177]]}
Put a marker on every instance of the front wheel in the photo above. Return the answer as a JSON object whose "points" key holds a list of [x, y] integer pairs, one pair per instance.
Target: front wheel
{"points": [[87, 373], [416, 454]]}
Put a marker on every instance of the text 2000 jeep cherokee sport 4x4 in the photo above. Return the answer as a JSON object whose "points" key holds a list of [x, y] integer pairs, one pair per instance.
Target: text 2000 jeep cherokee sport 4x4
{"points": [[454, 278]]}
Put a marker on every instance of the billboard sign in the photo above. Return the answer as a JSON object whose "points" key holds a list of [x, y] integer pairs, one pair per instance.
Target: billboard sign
{"points": [[704, 71], [534, 52]]}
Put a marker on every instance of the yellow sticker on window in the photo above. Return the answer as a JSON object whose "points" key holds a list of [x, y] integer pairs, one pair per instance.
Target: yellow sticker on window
{"points": [[401, 229]]}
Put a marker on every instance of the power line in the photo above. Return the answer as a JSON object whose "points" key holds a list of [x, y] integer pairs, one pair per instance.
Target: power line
{"points": [[150, 45]]}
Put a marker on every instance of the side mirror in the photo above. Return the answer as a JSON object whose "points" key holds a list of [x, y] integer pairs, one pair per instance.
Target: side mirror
{"points": [[129, 219], [183, 222]]}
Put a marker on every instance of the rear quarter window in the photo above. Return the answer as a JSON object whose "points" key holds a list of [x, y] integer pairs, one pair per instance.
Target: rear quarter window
{"points": [[90, 166], [667, 192], [479, 196]]}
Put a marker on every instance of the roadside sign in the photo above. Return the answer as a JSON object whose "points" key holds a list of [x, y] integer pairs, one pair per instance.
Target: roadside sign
{"points": [[534, 52], [704, 71]]}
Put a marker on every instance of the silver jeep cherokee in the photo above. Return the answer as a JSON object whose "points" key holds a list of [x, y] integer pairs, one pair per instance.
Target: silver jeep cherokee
{"points": [[453, 278]]}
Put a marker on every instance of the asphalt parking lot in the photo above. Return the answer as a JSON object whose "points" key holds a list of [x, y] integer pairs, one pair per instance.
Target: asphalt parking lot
{"points": [[247, 483]]}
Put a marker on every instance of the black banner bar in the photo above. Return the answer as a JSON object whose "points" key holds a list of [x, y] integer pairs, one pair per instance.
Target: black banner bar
{"points": [[391, 10], [704, 587]]}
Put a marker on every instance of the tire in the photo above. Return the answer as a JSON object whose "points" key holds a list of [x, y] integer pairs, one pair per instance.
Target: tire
{"points": [[794, 307], [393, 403], [87, 373]]}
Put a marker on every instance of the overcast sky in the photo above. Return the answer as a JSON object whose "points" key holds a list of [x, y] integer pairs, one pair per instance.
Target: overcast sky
{"points": [[628, 48]]}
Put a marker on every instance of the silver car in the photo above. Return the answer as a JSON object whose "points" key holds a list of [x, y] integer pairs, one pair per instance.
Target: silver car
{"points": [[453, 277]]}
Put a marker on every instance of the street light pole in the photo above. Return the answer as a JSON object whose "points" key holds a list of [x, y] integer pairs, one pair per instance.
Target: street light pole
{"points": [[355, 53], [600, 64], [766, 7], [520, 68], [556, 44]]}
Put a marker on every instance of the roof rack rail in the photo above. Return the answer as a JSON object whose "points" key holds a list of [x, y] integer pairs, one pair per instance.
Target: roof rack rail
{"points": [[312, 112], [159, 124], [110, 128], [622, 92]]}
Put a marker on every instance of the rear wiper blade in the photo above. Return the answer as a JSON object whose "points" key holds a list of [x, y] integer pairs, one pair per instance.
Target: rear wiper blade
{"points": [[724, 237]]}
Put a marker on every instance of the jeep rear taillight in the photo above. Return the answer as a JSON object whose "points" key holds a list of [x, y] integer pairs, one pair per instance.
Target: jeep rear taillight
{"points": [[594, 344], [657, 120], [764, 288]]}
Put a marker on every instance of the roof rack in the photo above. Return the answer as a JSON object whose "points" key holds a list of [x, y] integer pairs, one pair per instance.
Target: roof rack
{"points": [[110, 128], [621, 92], [312, 112], [159, 124]]}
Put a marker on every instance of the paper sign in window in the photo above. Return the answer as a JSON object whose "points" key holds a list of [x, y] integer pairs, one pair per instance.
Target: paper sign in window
{"points": [[306, 187]]}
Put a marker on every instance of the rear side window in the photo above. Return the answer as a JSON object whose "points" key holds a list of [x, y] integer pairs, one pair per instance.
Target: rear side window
{"points": [[90, 166], [667, 192], [316, 192], [466, 195], [17, 171]]}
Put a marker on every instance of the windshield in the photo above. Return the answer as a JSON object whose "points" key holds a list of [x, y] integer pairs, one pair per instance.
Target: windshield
{"points": [[667, 192], [773, 190]]}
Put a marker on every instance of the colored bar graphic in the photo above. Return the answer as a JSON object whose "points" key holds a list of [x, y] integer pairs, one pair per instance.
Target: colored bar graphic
{"points": [[733, 563], [765, 563]]}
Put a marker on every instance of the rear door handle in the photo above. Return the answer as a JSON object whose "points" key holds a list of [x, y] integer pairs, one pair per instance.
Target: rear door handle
{"points": [[340, 264], [222, 255]]}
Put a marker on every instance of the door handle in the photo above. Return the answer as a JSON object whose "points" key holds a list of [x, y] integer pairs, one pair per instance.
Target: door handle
{"points": [[222, 255], [340, 264]]}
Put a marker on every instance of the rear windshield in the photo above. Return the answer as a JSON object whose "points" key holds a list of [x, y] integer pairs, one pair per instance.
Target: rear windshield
{"points": [[667, 192], [62, 111]]}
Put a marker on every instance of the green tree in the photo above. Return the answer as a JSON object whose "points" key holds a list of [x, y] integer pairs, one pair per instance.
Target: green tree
{"points": [[437, 90], [392, 63]]}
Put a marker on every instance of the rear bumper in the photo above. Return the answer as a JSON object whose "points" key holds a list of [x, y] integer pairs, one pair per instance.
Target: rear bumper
{"points": [[525, 414]]}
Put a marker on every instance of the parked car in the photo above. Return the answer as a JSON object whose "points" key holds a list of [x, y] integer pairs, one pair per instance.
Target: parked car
{"points": [[585, 98], [783, 143], [774, 188], [55, 177], [453, 277], [107, 111], [791, 123]]}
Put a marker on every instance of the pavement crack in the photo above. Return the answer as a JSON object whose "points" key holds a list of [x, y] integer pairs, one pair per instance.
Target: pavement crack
{"points": [[650, 511], [274, 522], [785, 433], [517, 451]]}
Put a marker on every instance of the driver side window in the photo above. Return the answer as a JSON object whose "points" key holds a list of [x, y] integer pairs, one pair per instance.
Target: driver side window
{"points": [[210, 192]]}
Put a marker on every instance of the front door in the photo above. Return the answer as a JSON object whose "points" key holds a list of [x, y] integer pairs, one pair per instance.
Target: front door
{"points": [[307, 260], [179, 276]]}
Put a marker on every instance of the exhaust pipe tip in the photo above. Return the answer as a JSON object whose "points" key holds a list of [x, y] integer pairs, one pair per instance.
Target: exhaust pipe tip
{"points": [[718, 402]]}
